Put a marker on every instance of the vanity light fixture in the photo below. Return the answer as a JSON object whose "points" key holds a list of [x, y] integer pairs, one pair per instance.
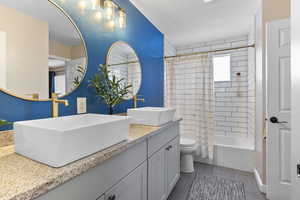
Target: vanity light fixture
{"points": [[105, 10], [95, 4], [122, 18], [110, 8], [82, 5], [98, 16]]}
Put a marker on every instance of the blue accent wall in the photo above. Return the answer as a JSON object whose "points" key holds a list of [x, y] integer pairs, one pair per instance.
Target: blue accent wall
{"points": [[144, 37]]}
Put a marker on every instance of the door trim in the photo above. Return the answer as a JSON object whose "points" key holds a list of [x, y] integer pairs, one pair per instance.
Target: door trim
{"points": [[262, 187]]}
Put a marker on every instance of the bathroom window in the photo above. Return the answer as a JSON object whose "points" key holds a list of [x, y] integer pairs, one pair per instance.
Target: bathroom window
{"points": [[221, 64]]}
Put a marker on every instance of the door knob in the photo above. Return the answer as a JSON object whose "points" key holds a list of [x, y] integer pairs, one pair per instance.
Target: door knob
{"points": [[275, 120]]}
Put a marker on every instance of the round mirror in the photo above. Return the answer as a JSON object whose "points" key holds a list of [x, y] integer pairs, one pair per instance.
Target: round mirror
{"points": [[41, 50], [124, 64]]}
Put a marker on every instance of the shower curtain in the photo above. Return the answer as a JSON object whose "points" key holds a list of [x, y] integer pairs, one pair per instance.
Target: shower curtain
{"points": [[189, 88]]}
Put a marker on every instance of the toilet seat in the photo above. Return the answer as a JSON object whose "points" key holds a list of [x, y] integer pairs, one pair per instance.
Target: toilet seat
{"points": [[187, 143]]}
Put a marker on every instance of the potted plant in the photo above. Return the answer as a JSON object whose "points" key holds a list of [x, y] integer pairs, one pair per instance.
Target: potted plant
{"points": [[4, 122], [81, 71], [109, 88]]}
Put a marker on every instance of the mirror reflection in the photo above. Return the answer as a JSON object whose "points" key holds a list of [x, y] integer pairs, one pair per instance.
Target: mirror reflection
{"points": [[41, 51], [124, 63]]}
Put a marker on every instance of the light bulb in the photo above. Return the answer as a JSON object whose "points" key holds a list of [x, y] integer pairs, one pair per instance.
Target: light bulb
{"points": [[111, 24], [95, 4], [82, 5], [98, 16], [109, 8], [122, 18]]}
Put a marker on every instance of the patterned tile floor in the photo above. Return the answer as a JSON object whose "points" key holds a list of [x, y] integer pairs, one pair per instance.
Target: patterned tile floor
{"points": [[181, 190]]}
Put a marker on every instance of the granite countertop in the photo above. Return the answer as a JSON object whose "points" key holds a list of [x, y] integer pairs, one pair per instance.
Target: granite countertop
{"points": [[25, 179]]}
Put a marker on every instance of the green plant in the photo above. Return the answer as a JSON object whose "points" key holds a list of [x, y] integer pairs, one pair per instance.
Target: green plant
{"points": [[109, 88], [78, 79], [3, 122]]}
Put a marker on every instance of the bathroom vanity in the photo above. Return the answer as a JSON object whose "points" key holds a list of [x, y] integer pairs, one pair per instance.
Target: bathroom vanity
{"points": [[144, 167]]}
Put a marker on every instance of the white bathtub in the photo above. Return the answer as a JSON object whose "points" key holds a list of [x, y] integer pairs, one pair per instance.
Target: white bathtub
{"points": [[233, 152]]}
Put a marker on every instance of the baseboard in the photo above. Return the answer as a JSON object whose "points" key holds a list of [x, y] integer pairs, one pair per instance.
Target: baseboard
{"points": [[262, 187]]}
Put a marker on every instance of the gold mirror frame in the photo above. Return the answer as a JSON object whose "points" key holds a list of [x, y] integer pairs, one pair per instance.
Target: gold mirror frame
{"points": [[109, 53], [85, 51]]}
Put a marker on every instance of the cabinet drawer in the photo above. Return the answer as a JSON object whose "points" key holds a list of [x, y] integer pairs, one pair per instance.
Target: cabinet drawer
{"points": [[93, 183], [159, 140]]}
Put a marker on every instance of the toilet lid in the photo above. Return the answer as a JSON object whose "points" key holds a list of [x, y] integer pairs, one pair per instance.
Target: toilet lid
{"points": [[187, 142]]}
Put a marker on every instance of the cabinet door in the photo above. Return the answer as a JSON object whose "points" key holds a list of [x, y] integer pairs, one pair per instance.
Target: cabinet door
{"points": [[156, 176], [101, 198], [172, 164], [132, 187]]}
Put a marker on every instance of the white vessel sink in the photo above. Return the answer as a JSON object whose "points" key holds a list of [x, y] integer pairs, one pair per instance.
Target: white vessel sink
{"points": [[59, 141], [153, 116]]}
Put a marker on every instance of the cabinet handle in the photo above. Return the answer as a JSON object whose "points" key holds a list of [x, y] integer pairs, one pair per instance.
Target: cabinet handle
{"points": [[113, 197], [169, 147]]}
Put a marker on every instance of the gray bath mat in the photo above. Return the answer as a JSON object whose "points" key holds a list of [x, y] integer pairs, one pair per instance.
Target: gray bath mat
{"points": [[216, 188]]}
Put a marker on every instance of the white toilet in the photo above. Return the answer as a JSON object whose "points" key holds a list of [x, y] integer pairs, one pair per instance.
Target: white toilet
{"points": [[187, 149]]}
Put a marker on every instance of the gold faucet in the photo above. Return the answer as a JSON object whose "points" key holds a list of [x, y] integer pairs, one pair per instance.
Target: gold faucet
{"points": [[55, 102], [136, 99]]}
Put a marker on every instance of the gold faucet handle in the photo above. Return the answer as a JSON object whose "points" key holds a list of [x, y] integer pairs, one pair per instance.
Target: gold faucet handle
{"points": [[54, 95], [34, 95]]}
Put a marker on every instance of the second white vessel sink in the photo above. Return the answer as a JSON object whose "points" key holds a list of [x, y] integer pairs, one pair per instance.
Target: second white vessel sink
{"points": [[153, 116], [59, 141]]}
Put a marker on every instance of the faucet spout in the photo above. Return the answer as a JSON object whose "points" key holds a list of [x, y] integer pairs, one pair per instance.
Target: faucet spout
{"points": [[65, 102]]}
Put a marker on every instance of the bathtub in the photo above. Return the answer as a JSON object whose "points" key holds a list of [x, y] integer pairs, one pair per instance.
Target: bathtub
{"points": [[233, 152]]}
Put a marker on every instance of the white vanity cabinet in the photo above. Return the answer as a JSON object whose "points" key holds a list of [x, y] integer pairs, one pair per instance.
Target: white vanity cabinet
{"points": [[97, 181], [147, 170], [164, 165]]}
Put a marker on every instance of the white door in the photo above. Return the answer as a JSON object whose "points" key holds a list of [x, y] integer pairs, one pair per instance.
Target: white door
{"points": [[172, 164], [295, 46], [279, 110], [132, 187], [156, 176]]}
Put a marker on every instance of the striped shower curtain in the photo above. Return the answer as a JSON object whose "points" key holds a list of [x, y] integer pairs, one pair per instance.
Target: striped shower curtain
{"points": [[189, 88]]}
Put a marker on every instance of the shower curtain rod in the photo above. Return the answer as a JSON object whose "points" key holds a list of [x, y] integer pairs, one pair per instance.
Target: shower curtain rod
{"points": [[124, 63], [190, 54], [212, 51]]}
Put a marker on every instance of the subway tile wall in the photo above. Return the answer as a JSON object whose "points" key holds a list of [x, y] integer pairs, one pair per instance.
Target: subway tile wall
{"points": [[234, 100]]}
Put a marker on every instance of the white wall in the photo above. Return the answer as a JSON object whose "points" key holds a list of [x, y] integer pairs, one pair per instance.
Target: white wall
{"points": [[252, 82], [27, 53], [3, 54], [169, 50]]}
